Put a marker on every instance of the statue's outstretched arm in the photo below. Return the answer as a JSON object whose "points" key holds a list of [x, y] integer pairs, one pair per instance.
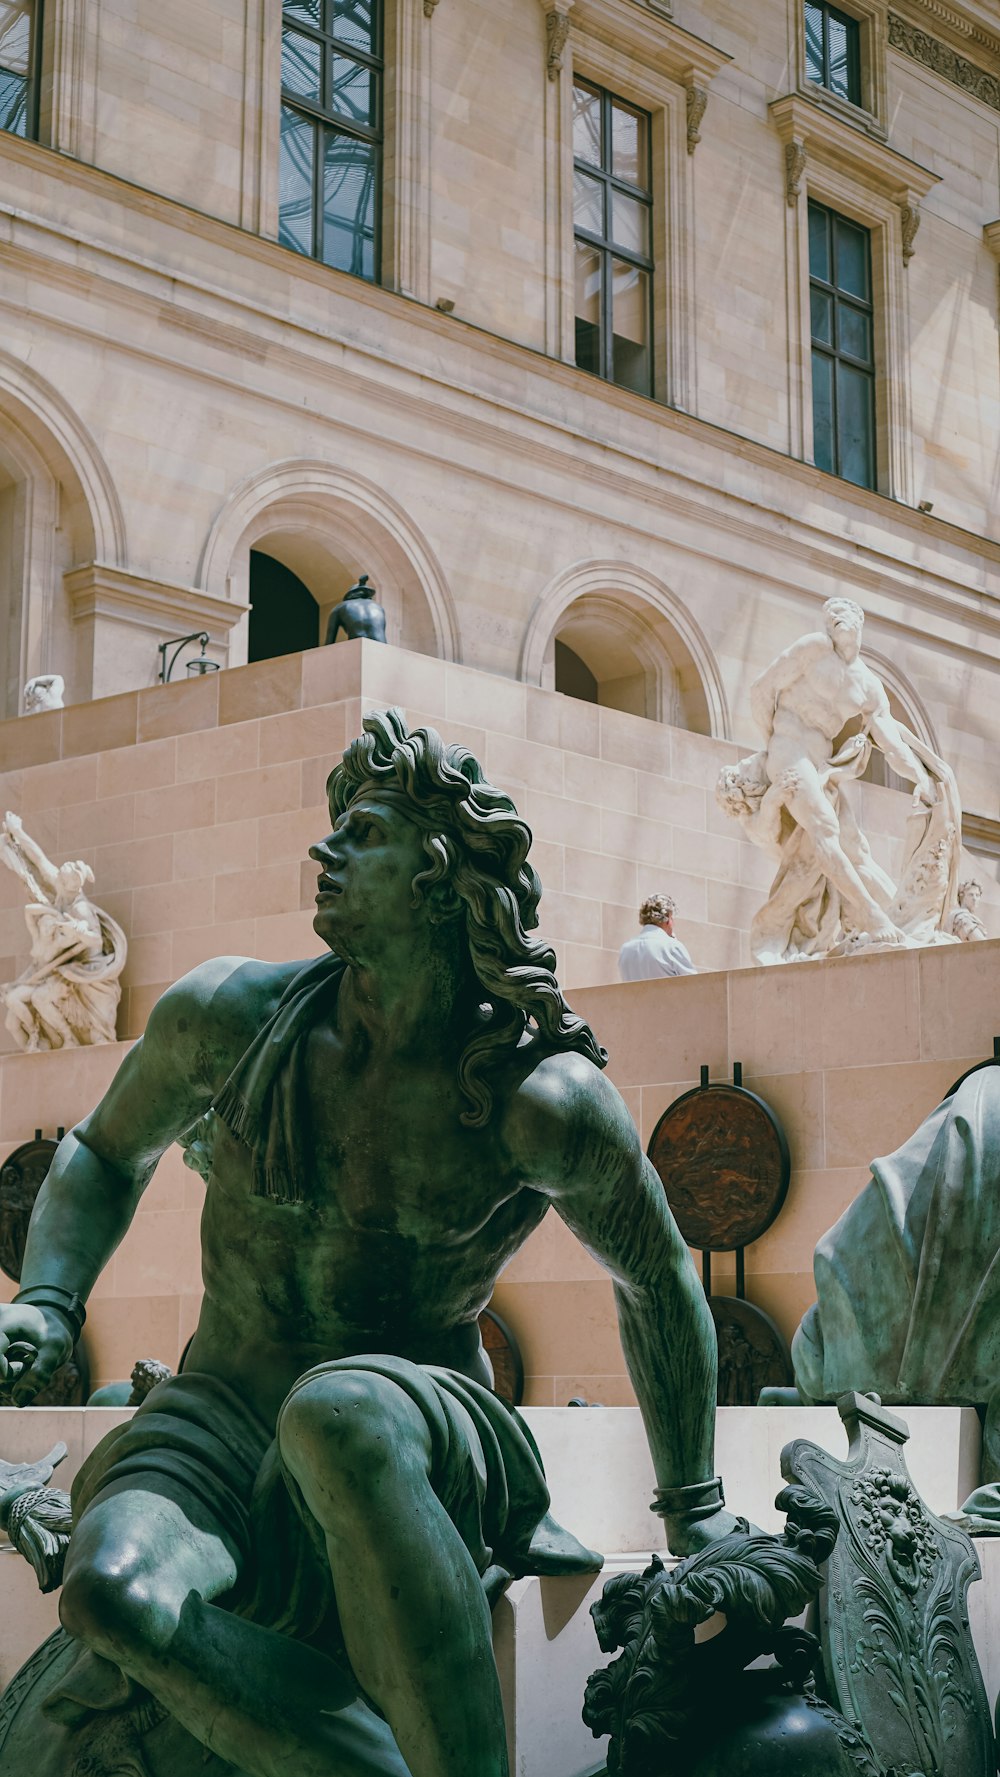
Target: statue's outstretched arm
{"points": [[20, 846], [101, 1168], [605, 1189], [885, 732]]}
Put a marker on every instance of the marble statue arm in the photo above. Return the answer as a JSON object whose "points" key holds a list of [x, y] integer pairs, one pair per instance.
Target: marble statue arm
{"points": [[885, 732], [588, 1160], [85, 1207], [21, 852], [783, 671]]}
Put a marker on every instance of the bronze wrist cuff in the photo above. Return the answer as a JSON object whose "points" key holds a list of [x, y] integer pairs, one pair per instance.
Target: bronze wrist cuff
{"points": [[52, 1295], [700, 1500]]}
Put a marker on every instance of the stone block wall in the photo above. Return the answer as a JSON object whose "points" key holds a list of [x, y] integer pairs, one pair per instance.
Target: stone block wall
{"points": [[195, 804]]}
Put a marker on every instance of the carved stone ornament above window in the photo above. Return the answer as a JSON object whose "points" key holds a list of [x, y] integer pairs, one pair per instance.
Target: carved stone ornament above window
{"points": [[556, 34], [645, 30], [921, 47], [811, 133]]}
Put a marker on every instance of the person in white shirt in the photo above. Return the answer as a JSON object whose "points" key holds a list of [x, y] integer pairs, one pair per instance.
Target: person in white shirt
{"points": [[655, 951]]}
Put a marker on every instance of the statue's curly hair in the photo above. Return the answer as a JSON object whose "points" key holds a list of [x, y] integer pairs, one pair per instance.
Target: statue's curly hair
{"points": [[477, 844]]}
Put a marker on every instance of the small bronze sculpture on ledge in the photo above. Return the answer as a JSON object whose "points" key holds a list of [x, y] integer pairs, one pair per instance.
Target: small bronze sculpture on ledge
{"points": [[359, 614], [315, 1515]]}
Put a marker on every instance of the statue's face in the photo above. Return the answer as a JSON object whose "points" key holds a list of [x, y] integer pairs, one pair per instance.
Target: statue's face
{"points": [[365, 888], [969, 896], [844, 623]]}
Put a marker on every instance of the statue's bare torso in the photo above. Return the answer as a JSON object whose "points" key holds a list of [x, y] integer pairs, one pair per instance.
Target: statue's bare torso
{"points": [[408, 1216], [812, 709]]}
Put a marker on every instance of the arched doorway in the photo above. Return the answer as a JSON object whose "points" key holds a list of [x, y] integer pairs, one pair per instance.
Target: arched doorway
{"points": [[328, 527], [284, 616]]}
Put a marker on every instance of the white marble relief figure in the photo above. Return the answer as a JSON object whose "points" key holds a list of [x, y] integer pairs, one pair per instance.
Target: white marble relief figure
{"points": [[46, 692], [829, 896], [966, 924], [68, 994]]}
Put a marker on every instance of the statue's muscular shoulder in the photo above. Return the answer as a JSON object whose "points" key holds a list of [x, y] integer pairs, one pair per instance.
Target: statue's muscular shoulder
{"points": [[209, 1018], [565, 1119]]}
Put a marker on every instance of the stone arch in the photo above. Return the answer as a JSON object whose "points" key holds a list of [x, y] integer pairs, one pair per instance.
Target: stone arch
{"points": [[637, 638], [58, 509], [328, 525]]}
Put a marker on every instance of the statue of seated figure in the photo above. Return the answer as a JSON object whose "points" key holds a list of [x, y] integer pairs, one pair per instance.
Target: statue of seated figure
{"points": [[908, 1280], [289, 1552]]}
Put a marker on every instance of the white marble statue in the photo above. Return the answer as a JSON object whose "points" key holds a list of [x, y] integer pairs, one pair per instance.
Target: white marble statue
{"points": [[829, 897], [68, 994], [965, 923], [46, 692]]}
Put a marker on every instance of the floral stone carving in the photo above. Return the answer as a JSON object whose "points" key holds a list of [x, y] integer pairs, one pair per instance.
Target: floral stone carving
{"points": [[894, 1627]]}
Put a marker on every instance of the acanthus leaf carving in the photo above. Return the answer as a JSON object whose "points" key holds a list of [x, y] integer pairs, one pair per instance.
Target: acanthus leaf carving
{"points": [[697, 100], [795, 166]]}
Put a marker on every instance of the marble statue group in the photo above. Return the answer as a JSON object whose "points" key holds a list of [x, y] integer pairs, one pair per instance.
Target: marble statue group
{"points": [[69, 991], [821, 709]]}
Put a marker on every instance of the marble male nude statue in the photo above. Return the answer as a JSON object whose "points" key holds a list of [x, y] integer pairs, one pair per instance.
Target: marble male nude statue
{"points": [[801, 703], [390, 1123]]}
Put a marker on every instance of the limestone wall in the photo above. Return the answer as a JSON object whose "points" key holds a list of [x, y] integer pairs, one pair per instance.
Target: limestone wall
{"points": [[852, 1055], [195, 804]]}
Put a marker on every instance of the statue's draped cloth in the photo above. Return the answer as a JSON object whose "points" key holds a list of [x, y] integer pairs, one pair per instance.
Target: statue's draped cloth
{"points": [[908, 1281], [197, 1441]]}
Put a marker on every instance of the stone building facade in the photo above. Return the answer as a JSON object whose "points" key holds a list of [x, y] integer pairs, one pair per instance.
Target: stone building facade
{"points": [[179, 390]]}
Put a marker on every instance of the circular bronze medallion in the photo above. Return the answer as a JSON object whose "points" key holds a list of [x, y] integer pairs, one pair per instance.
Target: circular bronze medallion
{"points": [[20, 1181], [753, 1353], [503, 1352], [723, 1162]]}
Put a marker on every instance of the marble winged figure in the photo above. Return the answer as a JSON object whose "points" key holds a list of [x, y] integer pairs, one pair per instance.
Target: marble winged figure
{"points": [[829, 896], [292, 1545], [68, 994]]}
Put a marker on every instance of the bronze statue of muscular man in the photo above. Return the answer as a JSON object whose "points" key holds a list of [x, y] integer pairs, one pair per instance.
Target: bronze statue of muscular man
{"points": [[312, 1517]]}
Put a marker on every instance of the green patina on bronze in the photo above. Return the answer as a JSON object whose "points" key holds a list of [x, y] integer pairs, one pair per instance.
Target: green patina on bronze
{"points": [[908, 1280], [314, 1516]]}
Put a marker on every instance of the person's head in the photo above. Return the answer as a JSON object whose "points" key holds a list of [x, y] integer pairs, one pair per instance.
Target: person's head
{"points": [[844, 622], [71, 880], [970, 894], [658, 910], [361, 591], [420, 836]]}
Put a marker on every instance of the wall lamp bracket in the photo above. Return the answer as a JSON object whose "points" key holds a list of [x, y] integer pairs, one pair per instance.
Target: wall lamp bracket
{"points": [[199, 665]]}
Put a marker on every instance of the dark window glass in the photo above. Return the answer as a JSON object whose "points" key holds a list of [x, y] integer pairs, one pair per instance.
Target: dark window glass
{"points": [[331, 132], [612, 217], [833, 50], [20, 47], [573, 676], [843, 366]]}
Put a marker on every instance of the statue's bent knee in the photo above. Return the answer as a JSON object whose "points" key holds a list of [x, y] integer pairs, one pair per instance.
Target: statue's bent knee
{"points": [[346, 1423], [115, 1610]]}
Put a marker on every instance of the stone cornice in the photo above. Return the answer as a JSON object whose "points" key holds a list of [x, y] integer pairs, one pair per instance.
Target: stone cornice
{"points": [[972, 26], [910, 40], [651, 37], [97, 590], [799, 121]]}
